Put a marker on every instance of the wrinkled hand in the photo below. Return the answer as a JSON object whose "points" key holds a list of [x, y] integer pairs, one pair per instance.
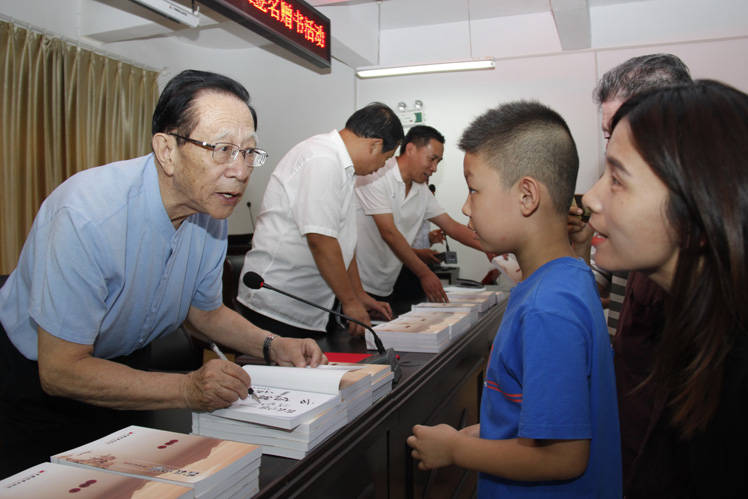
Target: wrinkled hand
{"points": [[356, 310], [380, 309], [427, 255], [296, 352], [432, 445], [436, 236], [432, 286], [215, 385]]}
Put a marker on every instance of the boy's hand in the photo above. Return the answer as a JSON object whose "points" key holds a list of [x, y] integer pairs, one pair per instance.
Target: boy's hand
{"points": [[432, 445]]}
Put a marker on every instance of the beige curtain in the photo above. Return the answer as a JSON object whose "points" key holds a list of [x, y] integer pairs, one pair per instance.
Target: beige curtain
{"points": [[62, 109]]}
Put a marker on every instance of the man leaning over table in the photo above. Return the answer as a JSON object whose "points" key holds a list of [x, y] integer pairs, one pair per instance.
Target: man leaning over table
{"points": [[119, 255]]}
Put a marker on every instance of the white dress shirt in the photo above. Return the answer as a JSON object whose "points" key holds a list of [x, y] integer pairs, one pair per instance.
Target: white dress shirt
{"points": [[384, 192], [310, 191]]}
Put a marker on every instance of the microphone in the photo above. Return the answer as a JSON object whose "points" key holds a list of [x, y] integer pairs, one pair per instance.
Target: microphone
{"points": [[386, 356]]}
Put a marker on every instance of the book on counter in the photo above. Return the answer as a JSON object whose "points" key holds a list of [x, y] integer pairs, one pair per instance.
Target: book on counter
{"points": [[52, 480], [298, 408], [420, 331], [470, 308], [485, 299], [211, 467]]}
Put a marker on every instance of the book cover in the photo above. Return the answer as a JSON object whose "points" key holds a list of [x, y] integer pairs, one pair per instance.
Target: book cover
{"points": [[176, 458], [52, 480]]}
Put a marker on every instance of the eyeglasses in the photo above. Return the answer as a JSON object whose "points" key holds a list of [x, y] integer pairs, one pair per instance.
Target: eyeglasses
{"points": [[224, 152]]}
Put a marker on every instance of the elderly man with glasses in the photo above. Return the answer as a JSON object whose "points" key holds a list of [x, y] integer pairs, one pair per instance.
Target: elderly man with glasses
{"points": [[119, 255]]}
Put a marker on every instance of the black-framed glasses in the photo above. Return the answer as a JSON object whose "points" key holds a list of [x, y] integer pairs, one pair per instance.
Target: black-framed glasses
{"points": [[224, 152]]}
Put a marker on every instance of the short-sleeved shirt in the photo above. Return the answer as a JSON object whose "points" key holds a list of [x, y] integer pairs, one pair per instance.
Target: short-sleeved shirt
{"points": [[310, 191], [550, 376], [380, 193], [104, 266]]}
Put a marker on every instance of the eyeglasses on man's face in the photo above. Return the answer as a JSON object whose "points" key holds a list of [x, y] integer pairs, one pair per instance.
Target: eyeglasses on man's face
{"points": [[225, 152]]}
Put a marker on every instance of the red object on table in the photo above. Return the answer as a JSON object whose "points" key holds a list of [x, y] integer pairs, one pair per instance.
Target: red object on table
{"points": [[346, 357]]}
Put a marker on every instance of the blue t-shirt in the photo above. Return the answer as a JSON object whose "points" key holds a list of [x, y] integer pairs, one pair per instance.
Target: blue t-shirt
{"points": [[550, 376], [104, 266]]}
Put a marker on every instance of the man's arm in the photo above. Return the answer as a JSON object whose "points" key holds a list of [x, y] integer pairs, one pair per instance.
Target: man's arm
{"points": [[227, 327], [431, 284], [521, 459], [329, 259], [379, 308], [69, 370], [457, 231]]}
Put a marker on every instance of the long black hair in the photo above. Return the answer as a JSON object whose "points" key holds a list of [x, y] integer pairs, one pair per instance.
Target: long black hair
{"points": [[695, 139]]}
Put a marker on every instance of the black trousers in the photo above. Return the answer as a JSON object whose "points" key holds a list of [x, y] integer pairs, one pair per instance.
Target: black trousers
{"points": [[278, 327], [35, 426]]}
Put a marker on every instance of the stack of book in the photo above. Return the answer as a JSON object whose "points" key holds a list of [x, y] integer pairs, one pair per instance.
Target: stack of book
{"points": [[485, 299], [417, 332], [381, 377], [52, 480], [298, 408], [210, 467], [470, 308]]}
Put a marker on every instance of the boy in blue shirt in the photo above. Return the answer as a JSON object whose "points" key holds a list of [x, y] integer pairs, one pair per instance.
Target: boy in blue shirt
{"points": [[548, 421]]}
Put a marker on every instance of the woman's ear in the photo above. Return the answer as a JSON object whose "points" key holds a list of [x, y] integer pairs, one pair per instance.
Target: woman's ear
{"points": [[164, 148], [529, 195]]}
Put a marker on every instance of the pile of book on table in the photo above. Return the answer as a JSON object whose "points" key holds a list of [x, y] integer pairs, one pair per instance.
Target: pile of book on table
{"points": [[298, 408], [144, 463], [431, 327]]}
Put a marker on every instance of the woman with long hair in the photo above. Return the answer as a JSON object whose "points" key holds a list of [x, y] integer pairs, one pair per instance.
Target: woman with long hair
{"points": [[673, 202]]}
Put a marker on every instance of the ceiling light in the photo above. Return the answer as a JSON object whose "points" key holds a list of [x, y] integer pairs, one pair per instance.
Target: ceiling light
{"points": [[173, 11], [439, 67]]}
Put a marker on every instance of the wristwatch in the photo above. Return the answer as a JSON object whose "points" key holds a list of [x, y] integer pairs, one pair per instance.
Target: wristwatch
{"points": [[266, 348]]}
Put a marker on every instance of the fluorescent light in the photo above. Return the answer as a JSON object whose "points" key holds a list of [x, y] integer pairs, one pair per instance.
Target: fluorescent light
{"points": [[439, 67], [173, 11]]}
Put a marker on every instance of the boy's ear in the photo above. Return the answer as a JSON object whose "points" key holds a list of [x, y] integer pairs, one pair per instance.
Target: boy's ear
{"points": [[529, 195]]}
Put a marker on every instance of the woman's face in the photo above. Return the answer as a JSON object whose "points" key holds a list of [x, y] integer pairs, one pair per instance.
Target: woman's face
{"points": [[628, 211]]}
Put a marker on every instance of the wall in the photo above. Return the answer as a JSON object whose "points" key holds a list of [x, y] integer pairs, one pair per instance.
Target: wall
{"points": [[564, 81], [292, 101]]}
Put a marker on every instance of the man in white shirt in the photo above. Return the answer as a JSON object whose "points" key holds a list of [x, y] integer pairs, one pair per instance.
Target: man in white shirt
{"points": [[305, 239], [395, 201]]}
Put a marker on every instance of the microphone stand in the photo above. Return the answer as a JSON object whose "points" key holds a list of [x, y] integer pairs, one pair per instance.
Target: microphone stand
{"points": [[384, 356]]}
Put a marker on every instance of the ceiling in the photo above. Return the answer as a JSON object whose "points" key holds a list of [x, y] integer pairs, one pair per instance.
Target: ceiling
{"points": [[122, 20], [397, 14]]}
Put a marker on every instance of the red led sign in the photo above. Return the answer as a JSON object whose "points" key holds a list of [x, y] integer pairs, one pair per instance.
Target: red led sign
{"points": [[293, 24]]}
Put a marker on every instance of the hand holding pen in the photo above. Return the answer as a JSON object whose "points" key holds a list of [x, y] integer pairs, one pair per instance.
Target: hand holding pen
{"points": [[221, 356]]}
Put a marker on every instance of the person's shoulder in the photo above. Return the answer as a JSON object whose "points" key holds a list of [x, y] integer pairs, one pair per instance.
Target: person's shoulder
{"points": [[561, 280], [380, 178], [99, 190]]}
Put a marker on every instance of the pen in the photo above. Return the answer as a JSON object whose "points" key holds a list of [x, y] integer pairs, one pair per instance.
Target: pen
{"points": [[221, 356]]}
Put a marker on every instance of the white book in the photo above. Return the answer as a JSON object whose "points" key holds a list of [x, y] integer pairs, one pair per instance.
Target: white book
{"points": [[202, 463], [288, 395], [469, 308], [52, 480]]}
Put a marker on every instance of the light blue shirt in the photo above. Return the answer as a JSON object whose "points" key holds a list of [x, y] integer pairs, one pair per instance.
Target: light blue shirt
{"points": [[104, 266]]}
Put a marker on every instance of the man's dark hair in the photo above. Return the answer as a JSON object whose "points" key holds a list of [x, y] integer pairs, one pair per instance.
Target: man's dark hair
{"points": [[175, 108], [420, 135], [641, 74], [527, 139], [377, 121]]}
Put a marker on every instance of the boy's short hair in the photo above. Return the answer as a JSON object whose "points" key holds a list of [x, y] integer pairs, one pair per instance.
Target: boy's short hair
{"points": [[527, 139]]}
